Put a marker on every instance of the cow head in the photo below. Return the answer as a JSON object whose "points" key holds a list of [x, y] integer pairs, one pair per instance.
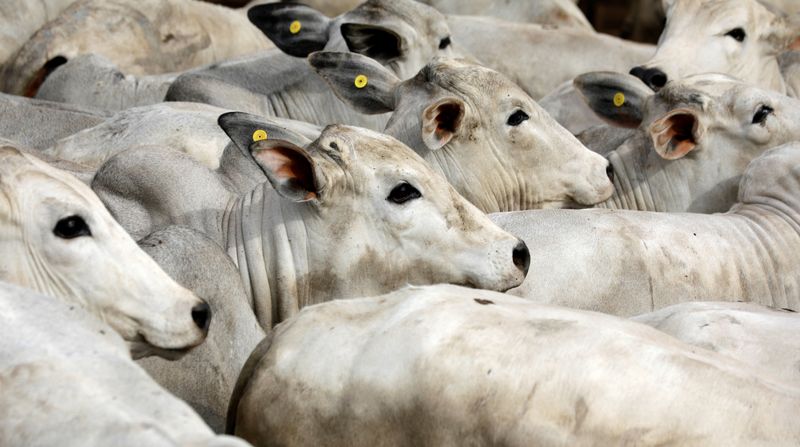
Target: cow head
{"points": [[741, 38], [377, 217], [493, 142], [57, 238], [774, 179], [401, 34]]}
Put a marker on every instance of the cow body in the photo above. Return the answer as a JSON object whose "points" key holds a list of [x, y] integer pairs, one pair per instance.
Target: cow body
{"points": [[448, 366]]}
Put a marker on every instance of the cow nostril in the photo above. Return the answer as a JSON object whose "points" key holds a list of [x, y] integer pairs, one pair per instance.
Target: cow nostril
{"points": [[201, 315], [638, 72], [522, 257], [658, 79], [610, 172]]}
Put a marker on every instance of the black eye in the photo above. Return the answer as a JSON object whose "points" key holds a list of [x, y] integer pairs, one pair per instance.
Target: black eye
{"points": [[737, 33], [71, 227], [402, 193], [761, 114], [444, 43], [517, 118]]}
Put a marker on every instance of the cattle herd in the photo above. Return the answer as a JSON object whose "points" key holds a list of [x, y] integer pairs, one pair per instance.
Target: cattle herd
{"points": [[399, 223]]}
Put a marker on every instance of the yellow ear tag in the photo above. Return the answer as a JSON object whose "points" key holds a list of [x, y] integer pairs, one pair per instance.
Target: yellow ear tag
{"points": [[619, 99], [295, 26], [259, 135], [361, 81]]}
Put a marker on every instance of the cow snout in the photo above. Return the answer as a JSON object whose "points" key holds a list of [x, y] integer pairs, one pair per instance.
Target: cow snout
{"points": [[653, 77], [522, 257], [201, 315]]}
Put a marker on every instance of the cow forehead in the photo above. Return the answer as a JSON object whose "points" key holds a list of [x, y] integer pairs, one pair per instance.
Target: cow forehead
{"points": [[357, 147], [728, 12], [470, 81], [413, 12], [25, 175], [698, 91]]}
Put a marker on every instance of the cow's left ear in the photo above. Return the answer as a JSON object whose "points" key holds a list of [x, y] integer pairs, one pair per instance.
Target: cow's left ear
{"points": [[441, 122], [289, 168], [616, 98], [363, 83], [676, 134], [296, 29], [784, 33]]}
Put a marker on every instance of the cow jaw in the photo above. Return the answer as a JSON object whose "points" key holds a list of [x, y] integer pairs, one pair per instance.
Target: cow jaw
{"points": [[73, 249]]}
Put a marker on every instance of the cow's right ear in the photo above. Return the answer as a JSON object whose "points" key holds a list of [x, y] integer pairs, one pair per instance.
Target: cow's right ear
{"points": [[363, 83], [296, 29], [616, 98]]}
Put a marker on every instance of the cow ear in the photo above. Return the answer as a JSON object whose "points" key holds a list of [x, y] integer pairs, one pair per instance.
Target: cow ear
{"points": [[441, 121], [676, 134], [244, 129], [357, 80], [616, 98], [296, 29], [378, 42], [289, 168], [784, 33]]}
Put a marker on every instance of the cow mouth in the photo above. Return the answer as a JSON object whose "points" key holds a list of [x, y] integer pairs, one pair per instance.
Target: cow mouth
{"points": [[141, 348]]}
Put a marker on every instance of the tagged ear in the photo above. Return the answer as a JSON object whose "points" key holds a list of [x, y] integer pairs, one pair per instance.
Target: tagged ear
{"points": [[289, 169], [676, 134], [377, 42], [244, 129], [296, 29], [441, 121], [364, 84], [614, 97]]}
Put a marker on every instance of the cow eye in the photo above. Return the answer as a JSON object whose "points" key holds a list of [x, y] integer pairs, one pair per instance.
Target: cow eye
{"points": [[517, 118], [71, 227], [444, 43], [402, 193], [737, 33], [761, 114]]}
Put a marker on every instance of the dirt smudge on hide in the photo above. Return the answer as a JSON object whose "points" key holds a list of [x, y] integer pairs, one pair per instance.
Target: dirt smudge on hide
{"points": [[548, 326], [482, 301]]}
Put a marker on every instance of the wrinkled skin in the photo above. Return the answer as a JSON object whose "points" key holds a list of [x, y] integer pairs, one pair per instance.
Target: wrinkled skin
{"points": [[204, 378], [539, 64], [741, 38], [764, 338], [491, 141], [449, 366], [139, 36], [298, 241], [628, 263], [274, 84], [58, 239], [67, 379], [693, 139]]}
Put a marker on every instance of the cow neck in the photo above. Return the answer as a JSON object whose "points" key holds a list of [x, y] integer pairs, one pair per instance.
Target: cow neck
{"points": [[265, 236]]}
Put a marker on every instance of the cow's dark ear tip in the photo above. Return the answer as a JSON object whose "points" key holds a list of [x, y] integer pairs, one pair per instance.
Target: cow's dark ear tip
{"points": [[225, 120]]}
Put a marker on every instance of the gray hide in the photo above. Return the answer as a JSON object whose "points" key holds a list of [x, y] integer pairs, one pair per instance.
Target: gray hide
{"points": [[628, 263], [91, 80], [542, 59], [204, 378], [67, 379], [38, 124], [450, 366], [401, 34], [766, 339]]}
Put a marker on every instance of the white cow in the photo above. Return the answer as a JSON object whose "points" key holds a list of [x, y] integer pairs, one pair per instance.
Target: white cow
{"points": [[67, 379], [559, 13], [742, 38], [693, 138], [628, 263], [401, 34], [450, 366], [57, 238], [767, 339], [491, 141], [139, 36], [354, 212], [539, 59]]}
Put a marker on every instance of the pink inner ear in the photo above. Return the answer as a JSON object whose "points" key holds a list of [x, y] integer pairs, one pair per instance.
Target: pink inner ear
{"points": [[289, 167], [675, 136], [795, 45]]}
